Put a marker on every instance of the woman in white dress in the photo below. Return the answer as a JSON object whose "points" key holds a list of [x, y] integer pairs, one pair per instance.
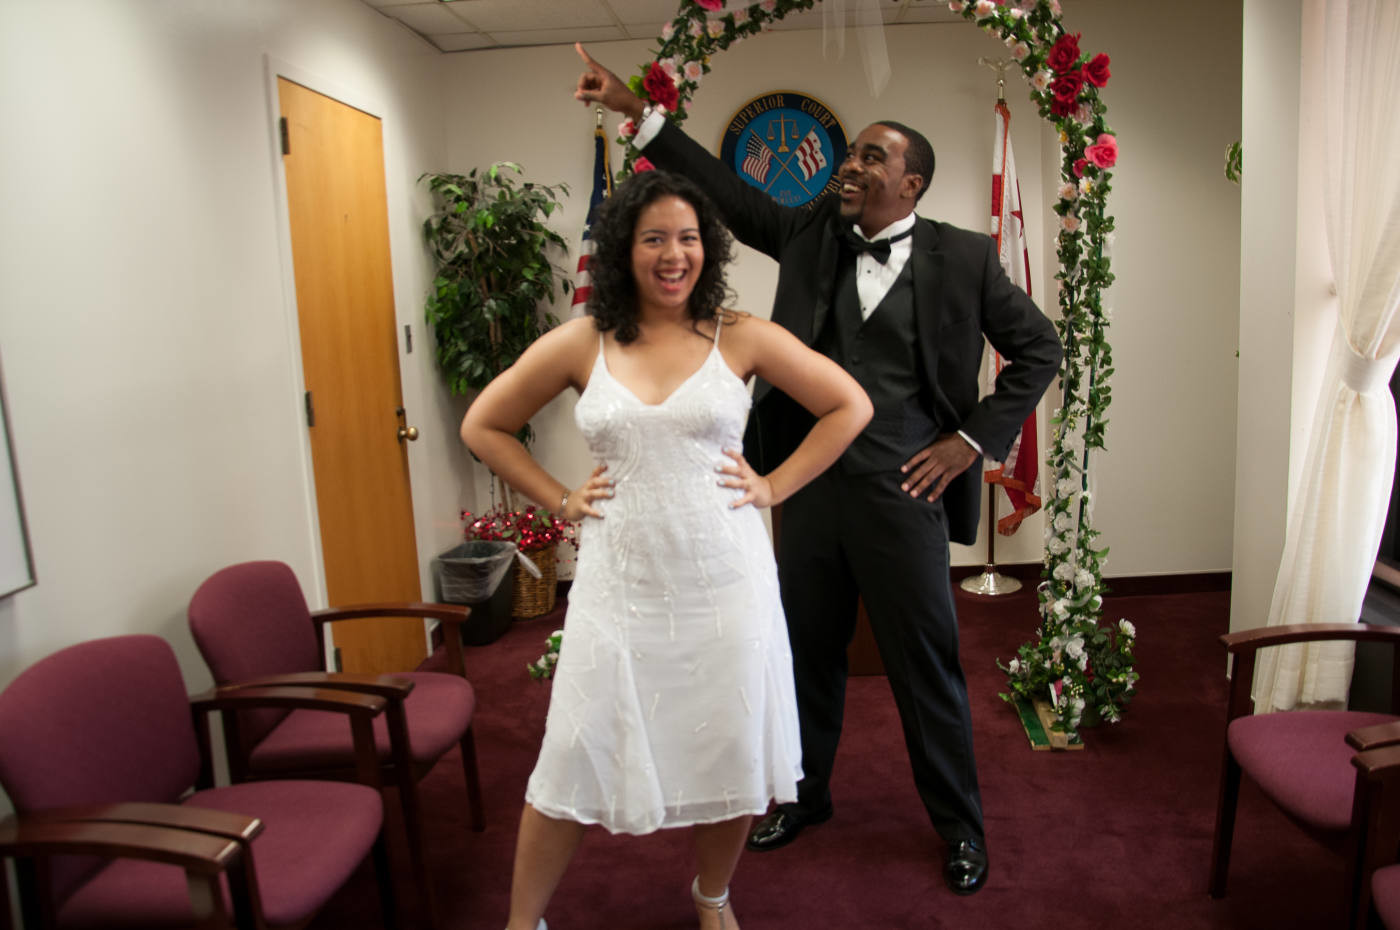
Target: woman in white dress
{"points": [[673, 702]]}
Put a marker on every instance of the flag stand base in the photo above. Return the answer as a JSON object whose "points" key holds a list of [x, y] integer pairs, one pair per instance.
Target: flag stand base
{"points": [[990, 583]]}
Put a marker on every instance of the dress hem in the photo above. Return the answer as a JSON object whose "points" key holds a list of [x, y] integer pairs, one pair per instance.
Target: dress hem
{"points": [[562, 813]]}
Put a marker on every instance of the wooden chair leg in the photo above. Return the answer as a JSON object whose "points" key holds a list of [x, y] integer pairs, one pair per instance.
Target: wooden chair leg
{"points": [[413, 827], [383, 875], [473, 777], [1224, 825]]}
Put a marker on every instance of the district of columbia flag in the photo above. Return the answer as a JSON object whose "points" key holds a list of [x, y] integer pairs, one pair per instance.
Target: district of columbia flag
{"points": [[602, 189], [809, 155], [1018, 475]]}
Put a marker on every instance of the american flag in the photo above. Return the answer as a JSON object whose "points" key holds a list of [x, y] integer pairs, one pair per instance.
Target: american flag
{"points": [[810, 159], [602, 188], [1019, 474], [758, 161]]}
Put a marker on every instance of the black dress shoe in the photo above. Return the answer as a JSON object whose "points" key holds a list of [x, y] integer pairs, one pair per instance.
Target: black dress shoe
{"points": [[782, 826], [966, 870]]}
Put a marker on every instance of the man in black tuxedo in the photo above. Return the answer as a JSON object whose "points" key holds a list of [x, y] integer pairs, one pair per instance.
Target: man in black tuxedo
{"points": [[902, 303]]}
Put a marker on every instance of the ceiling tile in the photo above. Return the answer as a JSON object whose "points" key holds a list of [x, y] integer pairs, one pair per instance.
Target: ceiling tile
{"points": [[427, 18], [558, 36], [462, 42], [656, 13], [516, 15]]}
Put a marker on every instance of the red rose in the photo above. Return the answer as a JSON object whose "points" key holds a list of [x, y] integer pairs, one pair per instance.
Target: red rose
{"points": [[1065, 91], [1064, 54], [642, 164], [1079, 167], [1066, 87], [660, 88], [1096, 71], [710, 5], [1103, 152]]}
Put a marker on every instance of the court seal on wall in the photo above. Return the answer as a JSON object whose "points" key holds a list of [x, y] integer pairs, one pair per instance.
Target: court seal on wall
{"points": [[786, 144]]}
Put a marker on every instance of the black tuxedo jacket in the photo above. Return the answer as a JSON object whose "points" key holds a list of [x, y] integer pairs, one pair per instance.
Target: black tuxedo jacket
{"points": [[960, 294]]}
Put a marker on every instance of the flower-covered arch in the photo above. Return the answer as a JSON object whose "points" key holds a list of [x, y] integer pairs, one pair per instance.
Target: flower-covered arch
{"points": [[1076, 663]]}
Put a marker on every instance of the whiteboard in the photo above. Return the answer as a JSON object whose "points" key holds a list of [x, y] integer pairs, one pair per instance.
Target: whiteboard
{"points": [[16, 566]]}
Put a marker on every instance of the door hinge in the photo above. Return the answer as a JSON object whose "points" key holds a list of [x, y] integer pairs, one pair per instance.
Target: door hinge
{"points": [[286, 138], [407, 339], [310, 411]]}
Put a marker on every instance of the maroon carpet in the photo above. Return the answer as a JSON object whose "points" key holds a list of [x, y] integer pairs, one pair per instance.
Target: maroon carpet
{"points": [[1116, 835]]}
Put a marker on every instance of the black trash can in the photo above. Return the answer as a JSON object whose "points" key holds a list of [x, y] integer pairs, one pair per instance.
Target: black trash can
{"points": [[478, 574]]}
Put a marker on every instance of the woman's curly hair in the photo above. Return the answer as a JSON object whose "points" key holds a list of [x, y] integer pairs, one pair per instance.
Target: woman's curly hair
{"points": [[613, 301]]}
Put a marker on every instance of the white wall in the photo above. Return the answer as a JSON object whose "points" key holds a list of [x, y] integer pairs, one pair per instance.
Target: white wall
{"points": [[147, 333], [1269, 233], [1165, 501]]}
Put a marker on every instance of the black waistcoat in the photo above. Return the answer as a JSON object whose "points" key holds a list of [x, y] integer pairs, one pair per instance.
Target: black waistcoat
{"points": [[882, 353]]}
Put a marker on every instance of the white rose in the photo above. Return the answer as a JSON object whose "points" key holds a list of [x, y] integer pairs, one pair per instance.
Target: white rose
{"points": [[1060, 608], [1069, 223], [1075, 647], [693, 71], [715, 27], [1057, 546], [1126, 628], [1084, 578], [1063, 521], [1064, 571], [1041, 80], [1014, 667], [1066, 487], [669, 66], [1068, 191], [667, 31], [1020, 50], [984, 8]]}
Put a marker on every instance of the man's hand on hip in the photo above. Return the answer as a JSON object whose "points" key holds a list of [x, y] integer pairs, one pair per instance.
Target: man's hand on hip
{"points": [[599, 85], [937, 465]]}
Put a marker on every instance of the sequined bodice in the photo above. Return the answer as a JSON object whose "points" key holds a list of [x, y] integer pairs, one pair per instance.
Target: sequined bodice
{"points": [[664, 455]]}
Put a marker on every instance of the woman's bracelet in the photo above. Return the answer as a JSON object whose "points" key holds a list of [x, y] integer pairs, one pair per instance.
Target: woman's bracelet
{"points": [[563, 503]]}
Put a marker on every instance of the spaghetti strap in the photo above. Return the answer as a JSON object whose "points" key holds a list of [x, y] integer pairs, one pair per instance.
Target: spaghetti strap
{"points": [[719, 322]]}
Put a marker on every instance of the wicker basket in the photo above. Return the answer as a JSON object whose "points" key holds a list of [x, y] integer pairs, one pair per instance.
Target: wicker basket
{"points": [[535, 596]]}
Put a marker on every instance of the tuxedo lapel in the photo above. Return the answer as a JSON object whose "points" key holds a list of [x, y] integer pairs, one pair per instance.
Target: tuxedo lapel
{"points": [[828, 259], [927, 263]]}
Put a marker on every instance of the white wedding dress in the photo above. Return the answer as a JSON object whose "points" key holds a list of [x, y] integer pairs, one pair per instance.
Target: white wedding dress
{"points": [[673, 699]]}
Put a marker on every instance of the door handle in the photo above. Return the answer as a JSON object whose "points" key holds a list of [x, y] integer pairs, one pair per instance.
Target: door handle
{"points": [[405, 431]]}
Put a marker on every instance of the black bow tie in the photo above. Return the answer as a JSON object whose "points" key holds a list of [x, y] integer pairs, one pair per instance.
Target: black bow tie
{"points": [[879, 249]]}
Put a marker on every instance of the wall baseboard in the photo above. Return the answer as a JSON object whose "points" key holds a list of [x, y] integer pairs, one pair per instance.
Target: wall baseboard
{"points": [[1028, 573]]}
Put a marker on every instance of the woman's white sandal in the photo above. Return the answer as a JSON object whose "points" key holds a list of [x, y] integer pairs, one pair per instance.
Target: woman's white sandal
{"points": [[719, 904]]}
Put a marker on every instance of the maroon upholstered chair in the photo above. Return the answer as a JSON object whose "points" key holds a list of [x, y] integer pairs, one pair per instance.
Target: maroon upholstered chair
{"points": [[253, 627], [1303, 760], [97, 751]]}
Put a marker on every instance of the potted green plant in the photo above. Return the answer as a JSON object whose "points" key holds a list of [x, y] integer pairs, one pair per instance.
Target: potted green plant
{"points": [[492, 247]]}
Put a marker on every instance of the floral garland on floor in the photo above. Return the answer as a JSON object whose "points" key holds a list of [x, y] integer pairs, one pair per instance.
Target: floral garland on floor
{"points": [[1076, 664]]}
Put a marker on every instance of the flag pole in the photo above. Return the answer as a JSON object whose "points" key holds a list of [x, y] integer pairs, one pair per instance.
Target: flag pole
{"points": [[991, 582]]}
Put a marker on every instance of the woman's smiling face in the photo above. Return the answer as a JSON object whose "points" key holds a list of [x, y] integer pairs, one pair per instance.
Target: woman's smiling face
{"points": [[667, 253]]}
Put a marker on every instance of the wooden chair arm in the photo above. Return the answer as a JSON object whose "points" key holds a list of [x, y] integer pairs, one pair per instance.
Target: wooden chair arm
{"points": [[454, 614], [388, 686], [235, 697], [1244, 645], [192, 850], [1242, 641], [226, 824], [360, 708], [451, 615], [1365, 739], [1383, 762]]}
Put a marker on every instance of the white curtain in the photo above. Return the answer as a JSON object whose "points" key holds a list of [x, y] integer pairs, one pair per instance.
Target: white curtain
{"points": [[1335, 519]]}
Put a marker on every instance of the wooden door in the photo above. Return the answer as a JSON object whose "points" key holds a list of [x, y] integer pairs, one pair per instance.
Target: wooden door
{"points": [[333, 158]]}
